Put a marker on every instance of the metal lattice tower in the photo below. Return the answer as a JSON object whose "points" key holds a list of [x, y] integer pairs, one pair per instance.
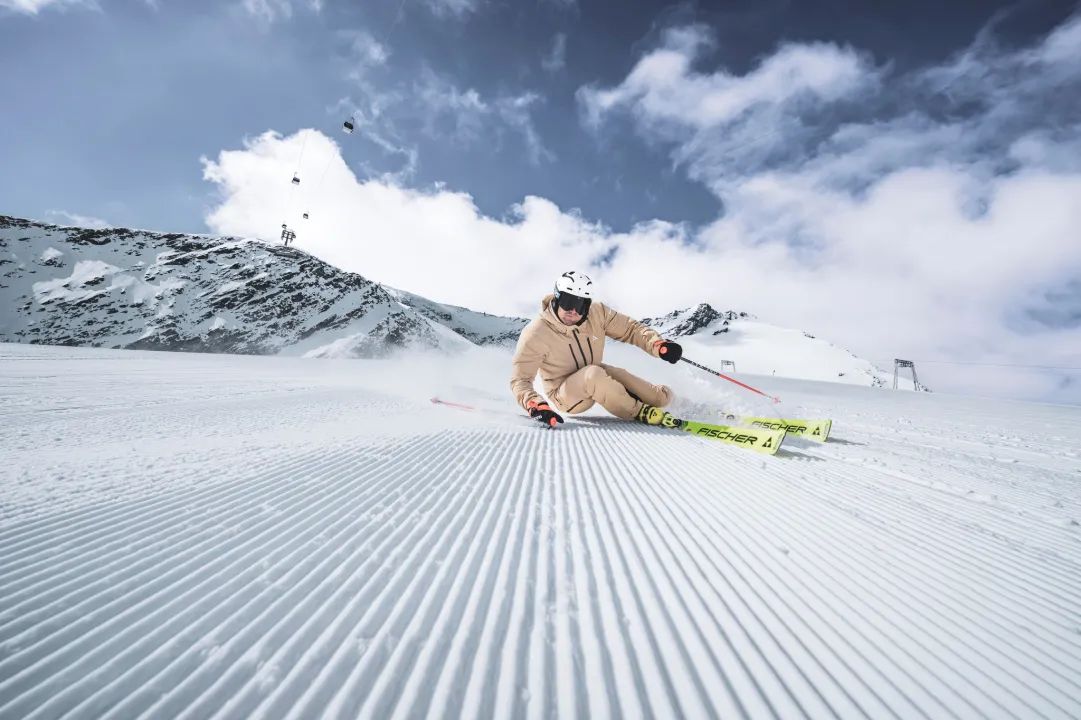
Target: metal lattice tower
{"points": [[288, 235], [897, 365], [728, 364]]}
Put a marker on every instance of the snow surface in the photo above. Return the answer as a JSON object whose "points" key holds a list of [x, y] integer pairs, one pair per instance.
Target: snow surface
{"points": [[217, 536]]}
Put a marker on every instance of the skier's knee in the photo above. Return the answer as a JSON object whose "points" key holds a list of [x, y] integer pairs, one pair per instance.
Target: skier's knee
{"points": [[593, 375]]}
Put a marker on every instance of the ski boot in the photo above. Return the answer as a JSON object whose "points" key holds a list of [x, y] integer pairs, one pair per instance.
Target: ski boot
{"points": [[651, 415]]}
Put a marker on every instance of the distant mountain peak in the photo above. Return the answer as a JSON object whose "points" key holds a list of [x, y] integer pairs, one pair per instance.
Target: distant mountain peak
{"points": [[691, 321]]}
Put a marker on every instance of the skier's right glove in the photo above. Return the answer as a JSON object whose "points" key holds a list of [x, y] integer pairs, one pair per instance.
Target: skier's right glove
{"points": [[669, 351], [543, 411]]}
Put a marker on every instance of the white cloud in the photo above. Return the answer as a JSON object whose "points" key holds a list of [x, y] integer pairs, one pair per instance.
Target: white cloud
{"points": [[474, 117], [373, 107], [932, 228], [1062, 48], [443, 111], [272, 10], [556, 58], [667, 95], [441, 98], [455, 8], [887, 289], [269, 10], [368, 50], [63, 217], [928, 233], [516, 112], [417, 240], [33, 7]]}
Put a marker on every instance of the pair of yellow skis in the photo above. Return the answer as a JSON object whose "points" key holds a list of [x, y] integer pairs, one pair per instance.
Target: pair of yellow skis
{"points": [[762, 435]]}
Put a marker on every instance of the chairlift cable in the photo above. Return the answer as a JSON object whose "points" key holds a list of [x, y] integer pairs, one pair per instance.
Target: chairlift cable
{"points": [[348, 129], [397, 15], [319, 186]]}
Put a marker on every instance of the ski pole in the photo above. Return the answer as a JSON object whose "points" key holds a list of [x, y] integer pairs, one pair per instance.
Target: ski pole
{"points": [[457, 405], [472, 408], [737, 382]]}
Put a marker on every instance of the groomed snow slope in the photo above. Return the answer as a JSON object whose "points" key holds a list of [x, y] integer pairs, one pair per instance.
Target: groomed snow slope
{"points": [[204, 536]]}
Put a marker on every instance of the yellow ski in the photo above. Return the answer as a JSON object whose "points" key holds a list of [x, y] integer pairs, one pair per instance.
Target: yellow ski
{"points": [[763, 440], [817, 430]]}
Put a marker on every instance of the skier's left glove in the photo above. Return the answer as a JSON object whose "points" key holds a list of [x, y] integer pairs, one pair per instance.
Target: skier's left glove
{"points": [[544, 412], [669, 351]]}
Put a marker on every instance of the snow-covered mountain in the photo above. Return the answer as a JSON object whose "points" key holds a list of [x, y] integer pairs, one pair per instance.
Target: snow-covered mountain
{"points": [[756, 347], [477, 327], [134, 289], [121, 288]]}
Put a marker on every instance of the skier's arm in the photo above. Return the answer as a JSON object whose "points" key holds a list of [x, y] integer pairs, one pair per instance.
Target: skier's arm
{"points": [[626, 329], [527, 360]]}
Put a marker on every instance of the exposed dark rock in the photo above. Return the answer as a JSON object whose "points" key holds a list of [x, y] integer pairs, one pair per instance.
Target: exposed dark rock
{"points": [[688, 322]]}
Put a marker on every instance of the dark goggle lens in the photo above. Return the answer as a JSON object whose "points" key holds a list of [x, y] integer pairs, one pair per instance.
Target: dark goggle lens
{"points": [[573, 302]]}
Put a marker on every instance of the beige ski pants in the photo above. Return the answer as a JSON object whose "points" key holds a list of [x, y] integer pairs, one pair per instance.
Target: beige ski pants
{"points": [[608, 386]]}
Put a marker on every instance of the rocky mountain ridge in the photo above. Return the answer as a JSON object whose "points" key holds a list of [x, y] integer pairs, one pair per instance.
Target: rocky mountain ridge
{"points": [[135, 289], [122, 288]]}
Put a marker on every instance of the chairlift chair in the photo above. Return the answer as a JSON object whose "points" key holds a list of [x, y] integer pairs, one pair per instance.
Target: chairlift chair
{"points": [[348, 126], [305, 216], [296, 180]]}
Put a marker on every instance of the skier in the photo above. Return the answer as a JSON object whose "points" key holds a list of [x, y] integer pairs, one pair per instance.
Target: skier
{"points": [[566, 343]]}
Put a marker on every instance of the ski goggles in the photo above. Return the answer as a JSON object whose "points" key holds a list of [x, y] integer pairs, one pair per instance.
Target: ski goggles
{"points": [[569, 303]]}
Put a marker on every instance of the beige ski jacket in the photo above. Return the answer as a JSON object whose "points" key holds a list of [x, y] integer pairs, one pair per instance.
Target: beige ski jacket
{"points": [[558, 351]]}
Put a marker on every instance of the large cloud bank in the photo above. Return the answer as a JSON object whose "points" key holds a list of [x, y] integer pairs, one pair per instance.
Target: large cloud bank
{"points": [[934, 214]]}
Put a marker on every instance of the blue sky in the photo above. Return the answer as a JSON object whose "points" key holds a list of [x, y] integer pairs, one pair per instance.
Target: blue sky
{"points": [[117, 103], [114, 101], [897, 177]]}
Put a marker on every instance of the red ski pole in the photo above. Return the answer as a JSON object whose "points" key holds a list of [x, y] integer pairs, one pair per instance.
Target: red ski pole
{"points": [[737, 382], [457, 405]]}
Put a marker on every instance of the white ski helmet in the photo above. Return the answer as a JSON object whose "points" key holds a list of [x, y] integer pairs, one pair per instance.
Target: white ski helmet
{"points": [[574, 291]]}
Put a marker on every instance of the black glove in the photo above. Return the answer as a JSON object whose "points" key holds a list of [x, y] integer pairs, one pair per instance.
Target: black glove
{"points": [[543, 411], [670, 351]]}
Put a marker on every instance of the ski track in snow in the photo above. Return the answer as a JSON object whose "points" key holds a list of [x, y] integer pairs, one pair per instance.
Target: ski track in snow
{"points": [[220, 537]]}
